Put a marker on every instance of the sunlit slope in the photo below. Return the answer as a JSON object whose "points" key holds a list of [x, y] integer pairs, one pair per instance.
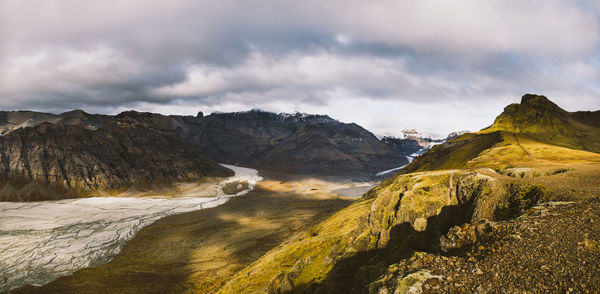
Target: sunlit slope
{"points": [[539, 117], [535, 132]]}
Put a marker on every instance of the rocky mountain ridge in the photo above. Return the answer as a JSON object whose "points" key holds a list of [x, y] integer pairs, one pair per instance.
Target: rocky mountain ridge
{"points": [[56, 160], [294, 143]]}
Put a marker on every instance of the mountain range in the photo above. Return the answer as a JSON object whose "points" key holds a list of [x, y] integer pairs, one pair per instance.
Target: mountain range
{"points": [[74, 154], [510, 207]]}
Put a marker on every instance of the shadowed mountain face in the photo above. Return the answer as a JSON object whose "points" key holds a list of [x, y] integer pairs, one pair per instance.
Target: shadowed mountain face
{"points": [[76, 153], [290, 143], [534, 132], [74, 159], [294, 143]]}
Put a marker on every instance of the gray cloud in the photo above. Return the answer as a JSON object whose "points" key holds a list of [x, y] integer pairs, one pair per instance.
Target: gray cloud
{"points": [[428, 64]]}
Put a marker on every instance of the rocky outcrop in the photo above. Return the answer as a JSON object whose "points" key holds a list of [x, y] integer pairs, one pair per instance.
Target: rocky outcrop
{"points": [[404, 213], [56, 160], [547, 249]]}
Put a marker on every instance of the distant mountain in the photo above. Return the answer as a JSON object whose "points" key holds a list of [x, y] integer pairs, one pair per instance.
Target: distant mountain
{"points": [[294, 143], [13, 120], [536, 131], [78, 155], [456, 134], [415, 143], [100, 150]]}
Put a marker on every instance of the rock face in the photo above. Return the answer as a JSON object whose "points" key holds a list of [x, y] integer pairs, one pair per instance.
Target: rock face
{"points": [[293, 143], [72, 159]]}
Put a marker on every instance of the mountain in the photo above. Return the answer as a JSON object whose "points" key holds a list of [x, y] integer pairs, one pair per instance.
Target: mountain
{"points": [[293, 143], [534, 132], [408, 146], [79, 155], [540, 117], [414, 143], [13, 120], [290, 143]]}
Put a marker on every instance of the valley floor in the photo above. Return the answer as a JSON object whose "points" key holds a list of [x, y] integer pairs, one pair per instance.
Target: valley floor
{"points": [[198, 251], [295, 234]]}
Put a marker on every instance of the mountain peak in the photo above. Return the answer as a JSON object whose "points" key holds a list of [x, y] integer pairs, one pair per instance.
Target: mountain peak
{"points": [[534, 112], [540, 102]]}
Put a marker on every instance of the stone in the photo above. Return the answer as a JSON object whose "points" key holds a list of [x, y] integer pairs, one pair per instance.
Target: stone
{"points": [[420, 224]]}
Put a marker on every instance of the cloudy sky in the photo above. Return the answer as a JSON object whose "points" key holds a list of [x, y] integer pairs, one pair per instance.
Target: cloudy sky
{"points": [[433, 65]]}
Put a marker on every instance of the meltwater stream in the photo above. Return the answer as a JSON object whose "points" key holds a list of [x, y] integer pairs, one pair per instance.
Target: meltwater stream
{"points": [[41, 241]]}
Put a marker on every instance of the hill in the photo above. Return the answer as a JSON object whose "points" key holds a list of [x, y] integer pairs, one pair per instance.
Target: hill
{"points": [[540, 117], [534, 132]]}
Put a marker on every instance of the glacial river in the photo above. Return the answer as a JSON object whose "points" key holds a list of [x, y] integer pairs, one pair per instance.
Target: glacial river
{"points": [[41, 241]]}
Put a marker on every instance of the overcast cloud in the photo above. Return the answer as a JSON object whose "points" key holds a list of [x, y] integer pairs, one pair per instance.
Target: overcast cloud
{"points": [[433, 65]]}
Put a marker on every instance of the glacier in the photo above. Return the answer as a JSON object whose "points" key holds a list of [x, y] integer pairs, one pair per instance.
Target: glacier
{"points": [[41, 241]]}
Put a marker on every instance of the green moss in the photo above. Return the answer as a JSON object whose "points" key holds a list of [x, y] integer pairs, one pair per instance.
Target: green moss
{"points": [[519, 198]]}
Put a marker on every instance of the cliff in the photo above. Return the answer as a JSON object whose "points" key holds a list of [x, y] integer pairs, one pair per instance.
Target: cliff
{"points": [[51, 161]]}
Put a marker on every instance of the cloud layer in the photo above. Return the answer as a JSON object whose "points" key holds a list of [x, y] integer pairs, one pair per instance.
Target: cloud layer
{"points": [[437, 65]]}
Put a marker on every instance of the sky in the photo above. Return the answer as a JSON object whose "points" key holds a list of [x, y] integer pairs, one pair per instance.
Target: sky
{"points": [[437, 66]]}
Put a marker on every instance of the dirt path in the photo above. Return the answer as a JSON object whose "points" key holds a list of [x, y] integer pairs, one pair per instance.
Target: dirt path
{"points": [[521, 146]]}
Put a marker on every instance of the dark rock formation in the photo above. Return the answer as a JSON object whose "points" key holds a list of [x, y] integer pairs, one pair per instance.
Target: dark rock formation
{"points": [[65, 160], [293, 143], [407, 146]]}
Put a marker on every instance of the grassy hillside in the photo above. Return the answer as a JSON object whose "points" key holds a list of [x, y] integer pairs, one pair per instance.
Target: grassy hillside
{"points": [[533, 133], [403, 215], [539, 117]]}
